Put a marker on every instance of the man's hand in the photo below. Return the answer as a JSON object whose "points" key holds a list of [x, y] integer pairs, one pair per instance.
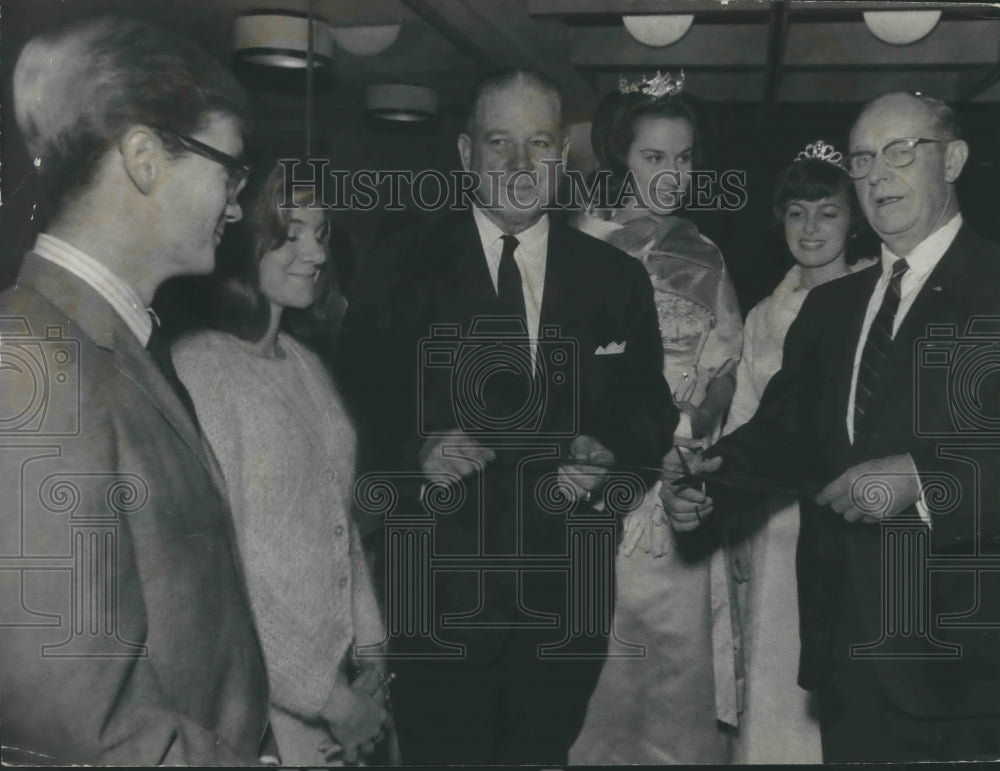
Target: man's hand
{"points": [[443, 458], [871, 491], [591, 462], [646, 527], [686, 507]]}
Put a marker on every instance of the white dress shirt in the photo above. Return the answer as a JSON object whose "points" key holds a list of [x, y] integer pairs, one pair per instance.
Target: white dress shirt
{"points": [[530, 256], [117, 292]]}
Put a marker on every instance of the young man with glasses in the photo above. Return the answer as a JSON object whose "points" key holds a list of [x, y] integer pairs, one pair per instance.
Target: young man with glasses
{"points": [[895, 628], [237, 170], [125, 634]]}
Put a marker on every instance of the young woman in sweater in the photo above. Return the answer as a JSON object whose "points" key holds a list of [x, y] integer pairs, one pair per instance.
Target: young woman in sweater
{"points": [[286, 448]]}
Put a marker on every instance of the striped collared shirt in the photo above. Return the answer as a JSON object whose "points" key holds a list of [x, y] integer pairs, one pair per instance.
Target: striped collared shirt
{"points": [[119, 294]]}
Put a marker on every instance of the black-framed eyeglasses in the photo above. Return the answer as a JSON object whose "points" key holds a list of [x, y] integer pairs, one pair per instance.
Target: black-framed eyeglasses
{"points": [[238, 171], [898, 153]]}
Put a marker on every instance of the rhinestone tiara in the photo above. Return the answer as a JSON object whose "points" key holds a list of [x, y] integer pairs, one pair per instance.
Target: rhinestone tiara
{"points": [[821, 151], [657, 87]]}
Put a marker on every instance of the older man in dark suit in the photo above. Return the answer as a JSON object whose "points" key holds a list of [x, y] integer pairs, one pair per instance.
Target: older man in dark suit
{"points": [[528, 359], [881, 402], [125, 633]]}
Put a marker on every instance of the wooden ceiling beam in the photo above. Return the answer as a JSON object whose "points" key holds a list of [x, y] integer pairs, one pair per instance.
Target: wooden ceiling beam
{"points": [[504, 35], [832, 87], [838, 43], [346, 13], [777, 39], [723, 45], [809, 45], [860, 6], [620, 7], [971, 85]]}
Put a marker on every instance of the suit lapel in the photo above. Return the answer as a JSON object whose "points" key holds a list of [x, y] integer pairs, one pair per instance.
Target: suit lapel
{"points": [[560, 282], [843, 367], [135, 363], [85, 308], [464, 271], [931, 305], [937, 293]]}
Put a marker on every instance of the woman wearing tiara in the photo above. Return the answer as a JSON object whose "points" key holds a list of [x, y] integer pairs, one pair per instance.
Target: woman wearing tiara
{"points": [[816, 204], [663, 704]]}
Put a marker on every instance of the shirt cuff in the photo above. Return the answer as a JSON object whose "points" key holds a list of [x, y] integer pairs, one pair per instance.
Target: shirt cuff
{"points": [[921, 504]]}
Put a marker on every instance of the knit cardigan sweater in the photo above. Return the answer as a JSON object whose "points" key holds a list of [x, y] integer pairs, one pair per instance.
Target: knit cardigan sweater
{"points": [[286, 448]]}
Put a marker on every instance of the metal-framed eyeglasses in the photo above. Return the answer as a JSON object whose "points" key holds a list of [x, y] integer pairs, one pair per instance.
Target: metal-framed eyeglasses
{"points": [[898, 153], [237, 170]]}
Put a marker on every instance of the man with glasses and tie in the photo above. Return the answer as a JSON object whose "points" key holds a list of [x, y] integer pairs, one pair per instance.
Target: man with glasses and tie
{"points": [[542, 372], [125, 633], [895, 628]]}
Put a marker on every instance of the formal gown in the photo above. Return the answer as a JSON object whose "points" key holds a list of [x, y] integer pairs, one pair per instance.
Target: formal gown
{"points": [[662, 702], [780, 720]]}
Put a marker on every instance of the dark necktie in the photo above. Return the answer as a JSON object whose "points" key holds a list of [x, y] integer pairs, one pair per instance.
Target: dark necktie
{"points": [[159, 351], [509, 289], [878, 346], [507, 389]]}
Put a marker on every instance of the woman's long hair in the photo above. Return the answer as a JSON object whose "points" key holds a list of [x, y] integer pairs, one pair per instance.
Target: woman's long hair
{"points": [[238, 305]]}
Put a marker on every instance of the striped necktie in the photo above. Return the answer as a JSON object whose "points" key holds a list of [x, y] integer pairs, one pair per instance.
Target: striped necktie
{"points": [[878, 346]]}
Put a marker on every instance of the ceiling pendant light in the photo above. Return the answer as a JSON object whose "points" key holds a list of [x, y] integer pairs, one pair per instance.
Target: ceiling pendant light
{"points": [[658, 30], [274, 39], [900, 28], [366, 40], [402, 102]]}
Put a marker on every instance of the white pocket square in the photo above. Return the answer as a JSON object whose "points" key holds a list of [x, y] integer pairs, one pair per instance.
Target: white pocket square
{"points": [[610, 348]]}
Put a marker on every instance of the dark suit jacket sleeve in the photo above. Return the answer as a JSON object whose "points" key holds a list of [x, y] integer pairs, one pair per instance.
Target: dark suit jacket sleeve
{"points": [[768, 444], [970, 477], [638, 422]]}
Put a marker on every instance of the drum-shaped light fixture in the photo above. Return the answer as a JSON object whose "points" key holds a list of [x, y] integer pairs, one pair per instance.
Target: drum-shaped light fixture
{"points": [[366, 40], [658, 30], [402, 102], [281, 40]]}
